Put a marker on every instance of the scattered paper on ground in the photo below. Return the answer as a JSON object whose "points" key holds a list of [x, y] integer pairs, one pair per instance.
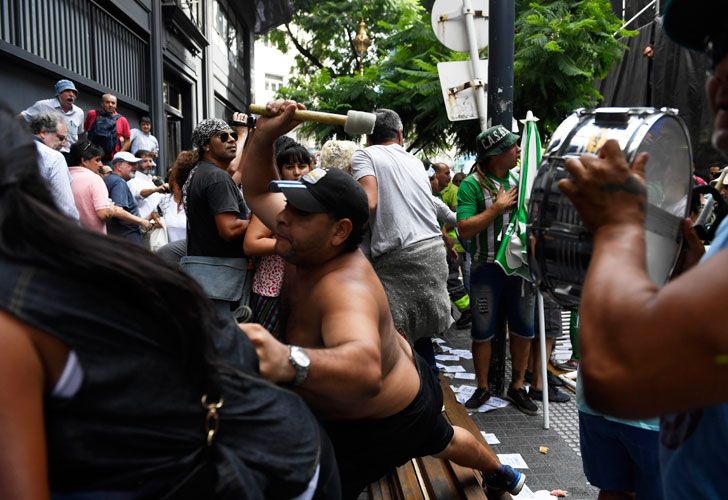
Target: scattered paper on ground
{"points": [[515, 460], [447, 357], [463, 353], [463, 391], [526, 493], [543, 449], [451, 369], [438, 341], [490, 437], [465, 376]]}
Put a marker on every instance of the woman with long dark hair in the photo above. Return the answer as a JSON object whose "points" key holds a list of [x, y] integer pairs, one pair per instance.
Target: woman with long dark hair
{"points": [[117, 379]]}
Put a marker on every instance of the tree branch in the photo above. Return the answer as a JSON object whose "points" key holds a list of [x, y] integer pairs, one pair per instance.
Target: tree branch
{"points": [[303, 50]]}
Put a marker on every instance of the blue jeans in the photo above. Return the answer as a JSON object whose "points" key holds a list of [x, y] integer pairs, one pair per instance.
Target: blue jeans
{"points": [[489, 285], [620, 457]]}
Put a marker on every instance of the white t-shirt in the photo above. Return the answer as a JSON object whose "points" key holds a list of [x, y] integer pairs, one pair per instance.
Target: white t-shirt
{"points": [[146, 205], [146, 142], [175, 218], [405, 212]]}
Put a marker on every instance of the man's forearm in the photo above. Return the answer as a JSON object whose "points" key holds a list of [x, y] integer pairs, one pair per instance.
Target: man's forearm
{"points": [[477, 223], [615, 312], [257, 166], [345, 373], [119, 213]]}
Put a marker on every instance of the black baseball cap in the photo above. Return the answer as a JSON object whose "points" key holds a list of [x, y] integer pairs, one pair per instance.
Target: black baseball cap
{"points": [[694, 23], [332, 191]]}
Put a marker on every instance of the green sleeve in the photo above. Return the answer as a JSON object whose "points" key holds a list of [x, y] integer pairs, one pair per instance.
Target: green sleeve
{"points": [[468, 198]]}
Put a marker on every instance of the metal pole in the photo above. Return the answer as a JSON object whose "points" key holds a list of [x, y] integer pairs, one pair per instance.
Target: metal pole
{"points": [[500, 62], [156, 77], [501, 22], [653, 2], [542, 354], [476, 67]]}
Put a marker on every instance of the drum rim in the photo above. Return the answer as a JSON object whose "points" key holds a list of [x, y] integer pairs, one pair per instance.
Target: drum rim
{"points": [[553, 153]]}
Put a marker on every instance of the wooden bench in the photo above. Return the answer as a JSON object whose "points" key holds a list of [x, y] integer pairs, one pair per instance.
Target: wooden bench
{"points": [[432, 478]]}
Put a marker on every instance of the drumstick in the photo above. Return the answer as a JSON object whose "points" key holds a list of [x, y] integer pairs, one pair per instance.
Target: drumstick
{"points": [[354, 123]]}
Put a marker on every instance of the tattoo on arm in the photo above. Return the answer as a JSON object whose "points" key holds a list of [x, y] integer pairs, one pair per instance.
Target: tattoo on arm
{"points": [[630, 185]]}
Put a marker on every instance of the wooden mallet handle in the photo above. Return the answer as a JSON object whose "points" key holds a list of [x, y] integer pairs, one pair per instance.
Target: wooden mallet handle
{"points": [[305, 116]]}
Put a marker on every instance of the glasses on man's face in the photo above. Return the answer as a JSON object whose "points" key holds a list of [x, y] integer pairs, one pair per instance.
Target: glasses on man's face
{"points": [[224, 136], [60, 137]]}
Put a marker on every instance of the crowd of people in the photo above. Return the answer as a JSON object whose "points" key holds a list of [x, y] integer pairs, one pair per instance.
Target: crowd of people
{"points": [[277, 341]]}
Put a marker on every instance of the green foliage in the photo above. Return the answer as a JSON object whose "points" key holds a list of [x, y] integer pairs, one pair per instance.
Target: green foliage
{"points": [[561, 47]]}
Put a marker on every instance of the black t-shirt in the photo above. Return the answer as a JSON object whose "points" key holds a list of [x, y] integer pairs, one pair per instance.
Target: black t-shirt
{"points": [[212, 191]]}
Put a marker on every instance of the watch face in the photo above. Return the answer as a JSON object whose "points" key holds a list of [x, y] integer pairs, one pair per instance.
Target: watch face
{"points": [[300, 357]]}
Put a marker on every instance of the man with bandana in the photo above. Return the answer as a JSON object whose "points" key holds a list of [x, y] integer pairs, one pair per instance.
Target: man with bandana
{"points": [[216, 211], [624, 315], [217, 219]]}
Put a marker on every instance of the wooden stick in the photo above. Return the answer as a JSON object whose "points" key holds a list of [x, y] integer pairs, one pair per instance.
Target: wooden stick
{"points": [[306, 116]]}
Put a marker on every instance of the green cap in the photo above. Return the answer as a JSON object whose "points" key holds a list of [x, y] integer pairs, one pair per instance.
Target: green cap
{"points": [[691, 23], [494, 141]]}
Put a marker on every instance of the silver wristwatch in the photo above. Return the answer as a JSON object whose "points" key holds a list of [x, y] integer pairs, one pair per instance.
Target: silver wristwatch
{"points": [[300, 362]]}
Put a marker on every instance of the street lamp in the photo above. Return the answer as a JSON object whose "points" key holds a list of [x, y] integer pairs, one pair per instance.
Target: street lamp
{"points": [[361, 44]]}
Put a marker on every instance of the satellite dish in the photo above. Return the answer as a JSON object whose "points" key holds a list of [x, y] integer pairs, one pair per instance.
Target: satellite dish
{"points": [[448, 23]]}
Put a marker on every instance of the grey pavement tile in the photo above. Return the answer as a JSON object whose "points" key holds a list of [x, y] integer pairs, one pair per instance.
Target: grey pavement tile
{"points": [[561, 467]]}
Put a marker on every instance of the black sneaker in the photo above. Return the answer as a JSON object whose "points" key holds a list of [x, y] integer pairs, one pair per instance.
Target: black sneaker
{"points": [[555, 395], [506, 478], [522, 401], [464, 320], [479, 397], [554, 380]]}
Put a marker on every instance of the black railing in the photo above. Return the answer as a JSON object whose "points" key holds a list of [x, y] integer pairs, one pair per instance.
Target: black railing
{"points": [[82, 37]]}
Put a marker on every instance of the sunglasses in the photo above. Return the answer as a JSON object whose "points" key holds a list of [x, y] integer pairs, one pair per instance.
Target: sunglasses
{"points": [[224, 136]]}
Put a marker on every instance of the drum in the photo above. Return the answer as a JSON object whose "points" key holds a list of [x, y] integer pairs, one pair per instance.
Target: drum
{"points": [[560, 246]]}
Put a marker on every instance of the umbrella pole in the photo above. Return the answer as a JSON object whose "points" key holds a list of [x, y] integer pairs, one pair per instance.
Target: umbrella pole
{"points": [[542, 353]]}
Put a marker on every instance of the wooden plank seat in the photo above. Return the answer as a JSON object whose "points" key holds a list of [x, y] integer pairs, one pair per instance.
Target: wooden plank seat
{"points": [[429, 478]]}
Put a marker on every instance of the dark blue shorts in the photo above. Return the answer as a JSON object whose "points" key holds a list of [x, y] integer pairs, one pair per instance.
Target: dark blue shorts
{"points": [[489, 286], [620, 457]]}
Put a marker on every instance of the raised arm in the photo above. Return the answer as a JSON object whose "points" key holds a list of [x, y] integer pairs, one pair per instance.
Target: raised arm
{"points": [[257, 166]]}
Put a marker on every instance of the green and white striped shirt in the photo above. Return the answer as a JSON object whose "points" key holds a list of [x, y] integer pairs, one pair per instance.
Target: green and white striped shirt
{"points": [[474, 199]]}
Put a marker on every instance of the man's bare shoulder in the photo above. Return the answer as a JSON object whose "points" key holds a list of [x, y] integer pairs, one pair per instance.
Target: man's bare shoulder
{"points": [[349, 281]]}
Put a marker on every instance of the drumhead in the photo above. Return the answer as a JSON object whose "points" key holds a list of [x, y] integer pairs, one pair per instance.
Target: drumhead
{"points": [[560, 246]]}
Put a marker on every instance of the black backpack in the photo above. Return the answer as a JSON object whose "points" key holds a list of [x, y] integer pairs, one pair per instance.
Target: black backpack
{"points": [[103, 132]]}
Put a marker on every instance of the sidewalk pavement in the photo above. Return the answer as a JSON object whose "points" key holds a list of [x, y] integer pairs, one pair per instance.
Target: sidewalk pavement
{"points": [[560, 467]]}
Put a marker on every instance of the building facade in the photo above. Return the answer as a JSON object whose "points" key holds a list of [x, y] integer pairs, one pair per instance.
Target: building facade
{"points": [[177, 61]]}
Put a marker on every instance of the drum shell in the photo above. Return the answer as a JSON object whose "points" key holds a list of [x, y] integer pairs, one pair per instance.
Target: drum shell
{"points": [[560, 246], [558, 269]]}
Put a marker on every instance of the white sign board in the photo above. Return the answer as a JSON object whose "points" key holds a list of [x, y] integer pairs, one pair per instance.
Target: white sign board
{"points": [[459, 101], [448, 23]]}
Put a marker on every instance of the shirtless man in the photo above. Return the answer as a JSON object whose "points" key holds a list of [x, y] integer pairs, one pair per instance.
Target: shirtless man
{"points": [[379, 407]]}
